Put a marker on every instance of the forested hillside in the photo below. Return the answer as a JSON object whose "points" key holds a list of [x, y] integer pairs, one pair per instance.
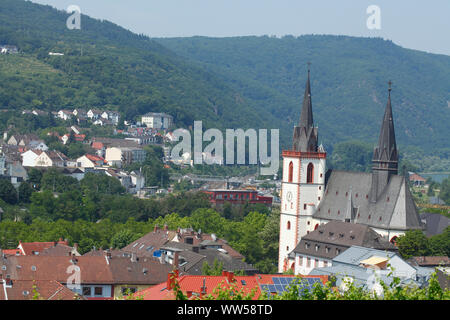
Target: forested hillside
{"points": [[349, 83], [105, 65]]}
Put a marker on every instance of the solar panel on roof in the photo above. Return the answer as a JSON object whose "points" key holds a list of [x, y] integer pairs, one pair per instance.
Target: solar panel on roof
{"points": [[271, 288], [279, 287], [276, 280]]}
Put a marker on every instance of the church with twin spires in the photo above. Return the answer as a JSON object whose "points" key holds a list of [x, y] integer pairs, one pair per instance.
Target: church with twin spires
{"points": [[312, 196]]}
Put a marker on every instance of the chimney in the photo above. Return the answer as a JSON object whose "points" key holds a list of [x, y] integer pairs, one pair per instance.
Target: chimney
{"points": [[75, 246], [166, 227], [171, 277], [229, 275], [155, 229], [108, 254], [133, 257], [203, 288], [175, 259]]}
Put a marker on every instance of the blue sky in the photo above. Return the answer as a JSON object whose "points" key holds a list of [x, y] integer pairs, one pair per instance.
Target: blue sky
{"points": [[415, 24]]}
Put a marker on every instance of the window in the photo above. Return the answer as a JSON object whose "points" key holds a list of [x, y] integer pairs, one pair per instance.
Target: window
{"points": [[304, 206], [308, 262], [338, 251], [316, 226], [291, 172], [310, 173], [327, 249], [318, 198], [300, 260], [287, 248], [317, 247], [86, 291], [325, 263], [98, 291], [289, 225], [316, 263], [321, 175], [308, 223]]}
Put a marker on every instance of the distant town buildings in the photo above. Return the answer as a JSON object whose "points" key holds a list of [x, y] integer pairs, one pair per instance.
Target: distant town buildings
{"points": [[157, 120]]}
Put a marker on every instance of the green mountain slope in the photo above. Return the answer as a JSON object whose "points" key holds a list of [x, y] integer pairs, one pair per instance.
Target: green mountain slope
{"points": [[107, 66], [349, 83]]}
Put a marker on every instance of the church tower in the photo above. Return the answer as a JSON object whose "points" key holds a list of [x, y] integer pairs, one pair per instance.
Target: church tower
{"points": [[303, 182], [385, 155]]}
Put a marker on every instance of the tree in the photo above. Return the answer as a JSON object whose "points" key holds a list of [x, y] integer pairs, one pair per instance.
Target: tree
{"points": [[122, 239], [7, 192], [25, 191], [445, 190], [215, 270], [413, 243]]}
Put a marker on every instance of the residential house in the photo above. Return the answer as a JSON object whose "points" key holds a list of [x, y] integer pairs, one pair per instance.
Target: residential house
{"points": [[8, 49], [199, 286], [90, 161], [366, 267], [54, 248], [16, 172], [29, 158], [65, 114], [317, 249], [94, 277], [190, 249], [76, 173], [157, 120], [37, 145], [22, 140], [51, 159], [94, 114], [111, 116], [25, 290], [416, 180]]}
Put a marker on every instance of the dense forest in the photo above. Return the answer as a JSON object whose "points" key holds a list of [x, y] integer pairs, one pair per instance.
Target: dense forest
{"points": [[349, 78], [106, 66]]}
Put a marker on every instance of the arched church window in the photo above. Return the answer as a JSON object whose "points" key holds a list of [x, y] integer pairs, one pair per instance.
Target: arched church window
{"points": [[309, 174], [291, 172], [289, 225]]}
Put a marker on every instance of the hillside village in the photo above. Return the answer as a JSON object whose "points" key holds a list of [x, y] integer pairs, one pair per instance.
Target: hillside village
{"points": [[93, 207]]}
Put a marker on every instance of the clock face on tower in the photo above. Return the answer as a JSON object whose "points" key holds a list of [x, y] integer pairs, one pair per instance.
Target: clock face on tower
{"points": [[289, 196]]}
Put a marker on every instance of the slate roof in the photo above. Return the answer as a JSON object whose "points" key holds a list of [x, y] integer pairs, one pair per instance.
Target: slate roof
{"points": [[430, 261], [435, 223], [379, 214], [340, 235]]}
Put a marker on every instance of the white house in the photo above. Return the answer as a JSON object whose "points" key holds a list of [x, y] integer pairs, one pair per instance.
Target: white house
{"points": [[65, 114], [112, 116], [94, 114], [29, 158], [51, 159]]}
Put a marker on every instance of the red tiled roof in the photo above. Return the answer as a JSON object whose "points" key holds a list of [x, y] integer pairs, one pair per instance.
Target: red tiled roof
{"points": [[47, 290], [97, 145], [12, 252], [193, 284], [94, 158], [29, 248]]}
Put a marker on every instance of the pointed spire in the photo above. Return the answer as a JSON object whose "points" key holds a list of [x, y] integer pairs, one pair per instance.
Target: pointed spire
{"points": [[305, 135], [387, 147], [306, 117]]}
